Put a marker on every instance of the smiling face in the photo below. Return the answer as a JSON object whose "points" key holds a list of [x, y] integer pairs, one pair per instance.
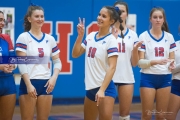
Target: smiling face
{"points": [[104, 18], [36, 19], [157, 19], [1, 21]]}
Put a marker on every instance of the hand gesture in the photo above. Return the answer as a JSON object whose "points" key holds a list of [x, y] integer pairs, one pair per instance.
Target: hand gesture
{"points": [[50, 85], [163, 61], [115, 32], [171, 65], [32, 91], [11, 67], [80, 27], [5, 68], [138, 44], [99, 96]]}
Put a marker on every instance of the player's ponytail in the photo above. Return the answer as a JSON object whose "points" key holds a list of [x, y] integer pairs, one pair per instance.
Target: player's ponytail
{"points": [[121, 2], [120, 21], [31, 8]]}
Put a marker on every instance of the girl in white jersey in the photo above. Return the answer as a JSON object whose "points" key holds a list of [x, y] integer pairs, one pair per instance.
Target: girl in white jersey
{"points": [[174, 102], [37, 83], [128, 56], [156, 54], [101, 52]]}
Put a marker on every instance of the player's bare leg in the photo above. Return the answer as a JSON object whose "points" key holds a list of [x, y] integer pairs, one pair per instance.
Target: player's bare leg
{"points": [[125, 94], [173, 107], [162, 100], [44, 103], [7, 105], [105, 108], [90, 109], [27, 107], [147, 101]]}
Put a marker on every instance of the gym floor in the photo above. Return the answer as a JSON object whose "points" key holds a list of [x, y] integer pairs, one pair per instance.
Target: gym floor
{"points": [[75, 112]]}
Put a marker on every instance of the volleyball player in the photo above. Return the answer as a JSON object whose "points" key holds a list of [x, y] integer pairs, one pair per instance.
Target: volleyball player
{"points": [[36, 84]]}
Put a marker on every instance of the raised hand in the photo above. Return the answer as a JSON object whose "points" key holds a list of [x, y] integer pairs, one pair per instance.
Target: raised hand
{"points": [[172, 65], [138, 44], [80, 27], [115, 32]]}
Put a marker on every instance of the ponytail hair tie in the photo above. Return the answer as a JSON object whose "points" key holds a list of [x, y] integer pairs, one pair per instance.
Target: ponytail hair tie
{"points": [[117, 9], [32, 4]]}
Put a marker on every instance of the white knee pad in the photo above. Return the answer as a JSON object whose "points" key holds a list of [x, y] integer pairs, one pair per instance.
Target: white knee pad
{"points": [[124, 118]]}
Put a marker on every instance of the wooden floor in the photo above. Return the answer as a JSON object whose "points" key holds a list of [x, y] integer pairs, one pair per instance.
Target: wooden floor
{"points": [[75, 112]]}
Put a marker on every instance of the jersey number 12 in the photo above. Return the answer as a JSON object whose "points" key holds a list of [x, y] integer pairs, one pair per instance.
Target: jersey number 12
{"points": [[159, 51]]}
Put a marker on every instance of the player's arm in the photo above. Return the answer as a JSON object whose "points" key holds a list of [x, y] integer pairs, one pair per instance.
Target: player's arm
{"points": [[108, 77], [24, 73], [56, 70], [78, 50], [135, 55], [145, 63]]}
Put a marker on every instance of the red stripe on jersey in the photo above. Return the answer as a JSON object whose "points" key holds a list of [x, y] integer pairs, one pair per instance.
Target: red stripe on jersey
{"points": [[111, 50], [55, 49], [8, 39], [143, 46], [172, 45], [20, 45]]}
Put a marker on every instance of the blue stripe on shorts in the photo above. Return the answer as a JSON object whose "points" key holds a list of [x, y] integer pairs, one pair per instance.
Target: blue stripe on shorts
{"points": [[110, 91], [37, 83], [7, 85]]}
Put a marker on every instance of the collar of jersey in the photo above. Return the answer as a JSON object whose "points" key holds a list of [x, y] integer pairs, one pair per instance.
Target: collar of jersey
{"points": [[155, 38], [37, 39], [100, 38], [127, 30]]}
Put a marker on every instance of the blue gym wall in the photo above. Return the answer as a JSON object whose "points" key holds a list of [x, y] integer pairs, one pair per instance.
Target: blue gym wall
{"points": [[71, 85]]}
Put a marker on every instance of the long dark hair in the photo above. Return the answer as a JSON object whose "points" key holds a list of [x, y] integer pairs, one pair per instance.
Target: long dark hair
{"points": [[165, 24], [27, 24], [119, 12]]}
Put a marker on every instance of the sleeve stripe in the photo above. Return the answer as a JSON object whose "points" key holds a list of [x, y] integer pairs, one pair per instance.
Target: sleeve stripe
{"points": [[173, 45], [85, 42], [111, 50], [55, 49], [143, 47], [20, 45]]}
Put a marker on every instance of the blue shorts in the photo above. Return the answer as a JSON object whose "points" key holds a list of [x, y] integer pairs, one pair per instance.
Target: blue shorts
{"points": [[121, 84], [110, 91], [37, 83], [155, 81], [175, 87], [7, 85]]}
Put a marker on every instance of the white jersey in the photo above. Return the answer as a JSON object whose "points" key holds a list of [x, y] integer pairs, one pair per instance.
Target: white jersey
{"points": [[47, 47], [157, 49], [124, 72], [96, 58], [177, 59]]}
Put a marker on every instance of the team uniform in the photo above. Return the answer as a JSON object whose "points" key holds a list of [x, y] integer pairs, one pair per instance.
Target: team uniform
{"points": [[7, 83], [39, 74], [96, 63], [124, 73], [156, 76], [175, 88]]}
